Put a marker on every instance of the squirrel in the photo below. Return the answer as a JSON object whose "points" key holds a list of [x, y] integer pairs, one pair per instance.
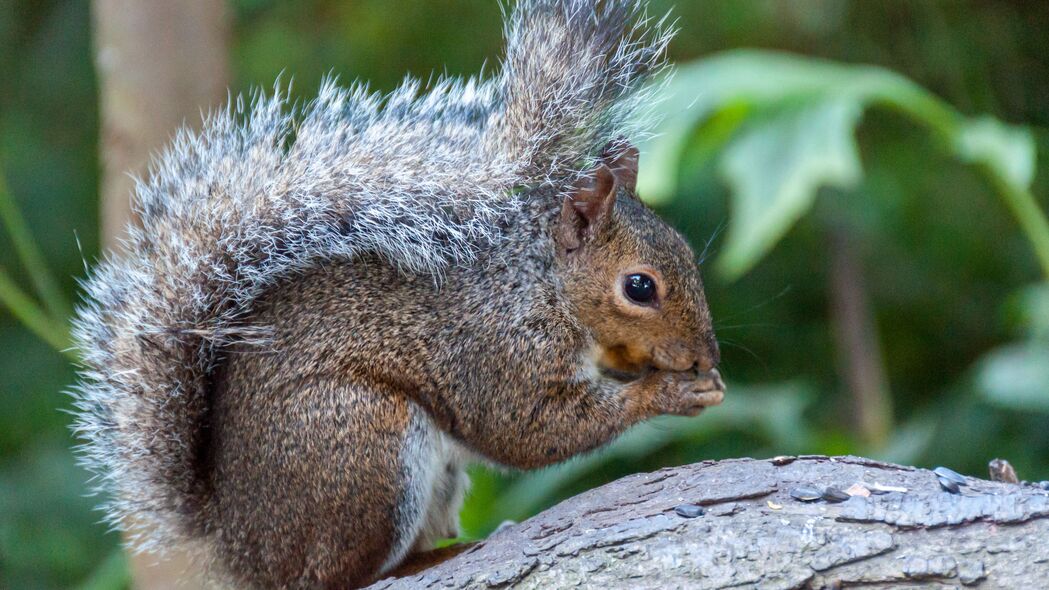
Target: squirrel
{"points": [[327, 312]]}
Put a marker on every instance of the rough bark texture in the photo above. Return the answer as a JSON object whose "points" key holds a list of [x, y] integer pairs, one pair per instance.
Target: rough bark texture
{"points": [[753, 534]]}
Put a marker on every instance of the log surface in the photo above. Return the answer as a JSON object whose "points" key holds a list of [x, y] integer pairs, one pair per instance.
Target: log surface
{"points": [[753, 534]]}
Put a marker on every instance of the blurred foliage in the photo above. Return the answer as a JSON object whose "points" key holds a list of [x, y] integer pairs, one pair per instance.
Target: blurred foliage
{"points": [[785, 127], [777, 147]]}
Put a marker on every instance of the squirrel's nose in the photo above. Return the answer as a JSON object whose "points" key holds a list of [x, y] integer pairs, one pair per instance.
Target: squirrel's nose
{"points": [[708, 356], [703, 365]]}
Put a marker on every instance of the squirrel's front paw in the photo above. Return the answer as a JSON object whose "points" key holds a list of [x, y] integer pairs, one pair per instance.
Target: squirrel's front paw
{"points": [[687, 393]]}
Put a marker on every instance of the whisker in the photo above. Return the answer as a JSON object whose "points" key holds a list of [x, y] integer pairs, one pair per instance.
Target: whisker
{"points": [[757, 306], [706, 248], [720, 327], [739, 346], [724, 371]]}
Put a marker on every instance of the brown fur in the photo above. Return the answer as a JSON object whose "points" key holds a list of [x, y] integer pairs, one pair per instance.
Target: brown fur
{"points": [[525, 358]]}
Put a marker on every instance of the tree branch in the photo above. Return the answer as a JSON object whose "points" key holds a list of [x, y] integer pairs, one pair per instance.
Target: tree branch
{"points": [[753, 533]]}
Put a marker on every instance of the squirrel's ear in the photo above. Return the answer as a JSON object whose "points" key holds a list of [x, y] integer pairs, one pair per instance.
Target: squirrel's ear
{"points": [[587, 207], [622, 158]]}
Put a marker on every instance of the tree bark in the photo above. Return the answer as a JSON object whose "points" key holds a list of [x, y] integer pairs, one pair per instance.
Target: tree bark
{"points": [[160, 63], [754, 534]]}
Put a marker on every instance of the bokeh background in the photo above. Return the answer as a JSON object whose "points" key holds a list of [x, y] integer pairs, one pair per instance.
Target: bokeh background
{"points": [[876, 241]]}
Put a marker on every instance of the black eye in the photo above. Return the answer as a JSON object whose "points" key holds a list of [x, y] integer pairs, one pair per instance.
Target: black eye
{"points": [[640, 288]]}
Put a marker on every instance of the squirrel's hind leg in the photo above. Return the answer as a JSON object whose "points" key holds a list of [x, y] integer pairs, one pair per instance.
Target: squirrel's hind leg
{"points": [[436, 468], [317, 483]]}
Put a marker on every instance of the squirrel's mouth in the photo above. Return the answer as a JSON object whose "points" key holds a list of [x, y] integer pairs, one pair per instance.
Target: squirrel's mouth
{"points": [[621, 375], [628, 363], [624, 364]]}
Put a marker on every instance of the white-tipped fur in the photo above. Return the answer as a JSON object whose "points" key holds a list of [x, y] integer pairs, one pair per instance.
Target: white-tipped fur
{"points": [[262, 191]]}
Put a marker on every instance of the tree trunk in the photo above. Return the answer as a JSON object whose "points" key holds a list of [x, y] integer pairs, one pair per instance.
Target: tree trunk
{"points": [[859, 353], [754, 534], [160, 63]]}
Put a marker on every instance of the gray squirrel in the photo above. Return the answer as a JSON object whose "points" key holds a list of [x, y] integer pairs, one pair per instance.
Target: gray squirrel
{"points": [[326, 313]]}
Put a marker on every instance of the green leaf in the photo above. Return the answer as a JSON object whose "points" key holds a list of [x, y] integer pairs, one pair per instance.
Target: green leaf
{"points": [[29, 252], [1007, 155], [1008, 150], [748, 82], [785, 126], [775, 168], [1016, 377], [657, 180]]}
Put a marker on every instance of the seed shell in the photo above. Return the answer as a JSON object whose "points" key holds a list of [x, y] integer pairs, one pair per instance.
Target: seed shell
{"points": [[834, 495], [949, 485], [804, 494], [950, 474], [688, 510], [878, 488]]}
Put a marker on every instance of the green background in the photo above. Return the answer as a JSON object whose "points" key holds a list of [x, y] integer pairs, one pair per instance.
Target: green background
{"points": [[952, 281]]}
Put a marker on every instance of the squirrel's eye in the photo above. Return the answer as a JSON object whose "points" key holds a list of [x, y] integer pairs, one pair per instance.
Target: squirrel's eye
{"points": [[640, 288]]}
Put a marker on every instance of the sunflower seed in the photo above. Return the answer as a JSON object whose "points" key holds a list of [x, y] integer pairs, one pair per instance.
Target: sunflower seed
{"points": [[688, 510], [949, 484], [804, 494], [834, 495], [950, 474]]}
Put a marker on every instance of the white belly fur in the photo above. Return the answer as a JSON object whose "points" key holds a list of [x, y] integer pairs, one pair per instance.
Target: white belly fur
{"points": [[435, 465]]}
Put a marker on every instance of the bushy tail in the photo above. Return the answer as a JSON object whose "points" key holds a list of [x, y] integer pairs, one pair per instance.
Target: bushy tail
{"points": [[261, 192], [571, 81]]}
